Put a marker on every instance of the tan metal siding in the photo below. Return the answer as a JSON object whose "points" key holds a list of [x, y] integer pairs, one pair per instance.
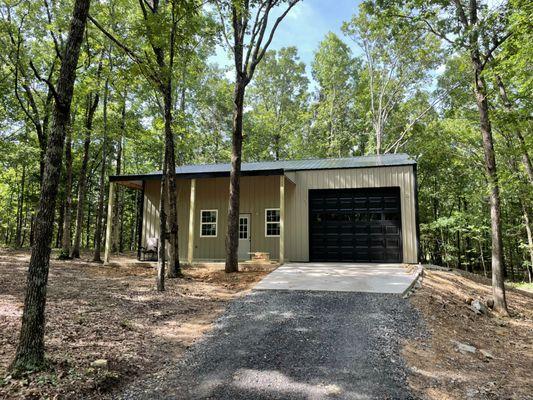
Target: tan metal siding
{"points": [[261, 192], [257, 194], [151, 212], [297, 229]]}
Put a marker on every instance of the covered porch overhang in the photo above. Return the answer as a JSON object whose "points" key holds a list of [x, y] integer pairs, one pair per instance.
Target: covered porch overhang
{"points": [[138, 182]]}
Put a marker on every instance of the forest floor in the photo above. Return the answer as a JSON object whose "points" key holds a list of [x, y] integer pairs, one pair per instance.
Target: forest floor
{"points": [[114, 313], [111, 313], [502, 359]]}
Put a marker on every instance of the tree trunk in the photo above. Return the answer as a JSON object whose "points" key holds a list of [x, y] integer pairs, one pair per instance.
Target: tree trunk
{"points": [[529, 241], [482, 259], [20, 206], [65, 250], [469, 248], [101, 184], [89, 209], [498, 287], [160, 279], [118, 171], [277, 145], [92, 103], [174, 269], [59, 236], [30, 349], [232, 235], [27, 217]]}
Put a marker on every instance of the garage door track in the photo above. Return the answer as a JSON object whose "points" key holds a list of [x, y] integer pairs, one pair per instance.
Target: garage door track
{"points": [[295, 345]]}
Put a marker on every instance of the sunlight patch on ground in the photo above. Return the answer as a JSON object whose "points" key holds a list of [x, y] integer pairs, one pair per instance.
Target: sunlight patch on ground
{"points": [[275, 381]]}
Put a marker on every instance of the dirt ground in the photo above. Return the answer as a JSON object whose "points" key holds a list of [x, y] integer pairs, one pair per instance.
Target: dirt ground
{"points": [[112, 313], [440, 371]]}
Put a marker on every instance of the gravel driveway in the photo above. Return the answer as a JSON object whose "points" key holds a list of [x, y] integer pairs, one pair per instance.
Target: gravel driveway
{"points": [[295, 345]]}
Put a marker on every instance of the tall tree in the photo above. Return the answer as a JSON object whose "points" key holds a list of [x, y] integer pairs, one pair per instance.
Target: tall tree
{"points": [[249, 23], [476, 29], [66, 239], [278, 98], [30, 349], [28, 63], [398, 61], [91, 105], [164, 27], [117, 211], [335, 71], [101, 180]]}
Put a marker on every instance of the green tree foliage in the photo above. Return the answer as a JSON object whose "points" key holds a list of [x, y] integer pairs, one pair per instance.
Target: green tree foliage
{"points": [[397, 65], [333, 133], [291, 110], [278, 120]]}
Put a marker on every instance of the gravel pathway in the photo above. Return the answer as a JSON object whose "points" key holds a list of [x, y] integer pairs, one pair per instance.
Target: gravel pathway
{"points": [[295, 345]]}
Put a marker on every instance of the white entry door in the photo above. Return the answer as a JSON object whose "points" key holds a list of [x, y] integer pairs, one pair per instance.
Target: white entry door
{"points": [[244, 237]]}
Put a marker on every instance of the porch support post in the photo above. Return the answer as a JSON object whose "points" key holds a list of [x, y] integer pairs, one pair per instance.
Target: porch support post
{"points": [[141, 222], [109, 222], [281, 219], [190, 243]]}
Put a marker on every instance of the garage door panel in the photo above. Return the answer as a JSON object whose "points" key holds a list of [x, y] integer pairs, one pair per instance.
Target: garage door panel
{"points": [[393, 230], [355, 225], [361, 244]]}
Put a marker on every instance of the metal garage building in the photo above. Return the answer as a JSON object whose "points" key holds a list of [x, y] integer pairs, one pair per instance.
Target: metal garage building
{"points": [[359, 209]]}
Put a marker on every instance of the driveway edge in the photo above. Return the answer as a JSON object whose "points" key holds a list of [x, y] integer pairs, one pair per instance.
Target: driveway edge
{"points": [[418, 273]]}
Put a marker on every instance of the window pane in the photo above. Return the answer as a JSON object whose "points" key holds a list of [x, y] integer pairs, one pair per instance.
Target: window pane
{"points": [[243, 228], [273, 229], [272, 216], [209, 229], [209, 216]]}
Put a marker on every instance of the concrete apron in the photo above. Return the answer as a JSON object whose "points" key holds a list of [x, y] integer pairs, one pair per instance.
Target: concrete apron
{"points": [[341, 277]]}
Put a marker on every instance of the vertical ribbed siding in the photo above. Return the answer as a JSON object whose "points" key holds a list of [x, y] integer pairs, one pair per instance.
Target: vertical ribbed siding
{"points": [[257, 194], [151, 212], [297, 224], [261, 192]]}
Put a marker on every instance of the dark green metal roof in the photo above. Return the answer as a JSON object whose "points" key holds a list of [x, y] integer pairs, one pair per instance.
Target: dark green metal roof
{"points": [[280, 167]]}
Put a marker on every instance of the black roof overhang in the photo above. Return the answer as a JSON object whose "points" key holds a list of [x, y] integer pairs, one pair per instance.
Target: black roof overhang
{"points": [[197, 175]]}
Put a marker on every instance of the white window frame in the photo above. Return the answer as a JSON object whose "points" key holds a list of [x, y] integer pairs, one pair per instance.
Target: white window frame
{"points": [[271, 222], [209, 223]]}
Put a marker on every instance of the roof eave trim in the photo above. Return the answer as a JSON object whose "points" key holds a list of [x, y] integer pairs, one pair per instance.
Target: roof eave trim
{"points": [[221, 174], [195, 175]]}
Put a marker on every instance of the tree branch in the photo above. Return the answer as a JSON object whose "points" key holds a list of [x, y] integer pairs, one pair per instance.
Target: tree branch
{"points": [[488, 55], [257, 58], [398, 143], [51, 86], [111, 37], [461, 13], [56, 44], [223, 25]]}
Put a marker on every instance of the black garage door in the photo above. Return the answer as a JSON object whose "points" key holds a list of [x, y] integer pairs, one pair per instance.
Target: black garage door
{"points": [[361, 225]]}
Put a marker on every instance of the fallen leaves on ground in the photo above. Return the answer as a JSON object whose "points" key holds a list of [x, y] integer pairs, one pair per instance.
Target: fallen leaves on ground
{"points": [[112, 313], [501, 365]]}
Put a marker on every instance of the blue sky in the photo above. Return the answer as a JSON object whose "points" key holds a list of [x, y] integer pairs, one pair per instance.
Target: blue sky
{"points": [[306, 25]]}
